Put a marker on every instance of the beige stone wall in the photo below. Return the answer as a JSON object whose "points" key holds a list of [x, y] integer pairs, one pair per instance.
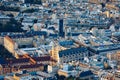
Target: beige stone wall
{"points": [[62, 73], [24, 41], [9, 44]]}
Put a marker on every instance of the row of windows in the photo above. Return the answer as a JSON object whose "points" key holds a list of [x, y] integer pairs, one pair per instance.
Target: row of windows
{"points": [[79, 54], [65, 60]]}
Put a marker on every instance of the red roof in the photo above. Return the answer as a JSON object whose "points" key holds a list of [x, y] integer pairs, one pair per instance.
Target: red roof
{"points": [[44, 58], [30, 66], [22, 60]]}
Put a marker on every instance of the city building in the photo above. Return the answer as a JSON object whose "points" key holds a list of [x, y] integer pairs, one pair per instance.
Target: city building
{"points": [[61, 28], [60, 39], [10, 45], [67, 71], [67, 55], [86, 75]]}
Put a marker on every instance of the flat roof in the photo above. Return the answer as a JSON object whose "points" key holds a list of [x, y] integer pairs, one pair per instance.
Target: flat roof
{"points": [[104, 48]]}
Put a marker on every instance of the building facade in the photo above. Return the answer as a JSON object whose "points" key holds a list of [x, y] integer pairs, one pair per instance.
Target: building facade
{"points": [[10, 45]]}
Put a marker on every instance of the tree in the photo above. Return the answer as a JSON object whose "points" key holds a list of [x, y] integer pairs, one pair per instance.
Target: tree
{"points": [[4, 53], [11, 26], [6, 8]]}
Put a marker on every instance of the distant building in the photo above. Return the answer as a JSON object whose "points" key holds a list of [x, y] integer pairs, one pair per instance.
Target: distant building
{"points": [[114, 58], [4, 19], [33, 67], [61, 28], [67, 71], [10, 45], [61, 0], [46, 76], [47, 60], [16, 65], [104, 49], [86, 75], [33, 1], [27, 38], [108, 77], [97, 61], [98, 1], [112, 6], [73, 54], [67, 55], [26, 77], [23, 1]]}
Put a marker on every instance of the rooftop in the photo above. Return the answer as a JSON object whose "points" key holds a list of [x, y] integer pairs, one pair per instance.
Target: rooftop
{"points": [[85, 74], [103, 48], [72, 51], [30, 66]]}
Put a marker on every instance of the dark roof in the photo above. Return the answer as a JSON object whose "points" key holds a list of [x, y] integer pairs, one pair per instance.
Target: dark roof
{"points": [[44, 58], [72, 51], [2, 61], [66, 42], [6, 66], [37, 33], [30, 66], [78, 33], [104, 48], [51, 28], [85, 73], [53, 35], [22, 60], [74, 34], [29, 34]]}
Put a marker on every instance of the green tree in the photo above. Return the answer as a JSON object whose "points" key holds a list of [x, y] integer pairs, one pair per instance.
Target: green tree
{"points": [[5, 53], [11, 26]]}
